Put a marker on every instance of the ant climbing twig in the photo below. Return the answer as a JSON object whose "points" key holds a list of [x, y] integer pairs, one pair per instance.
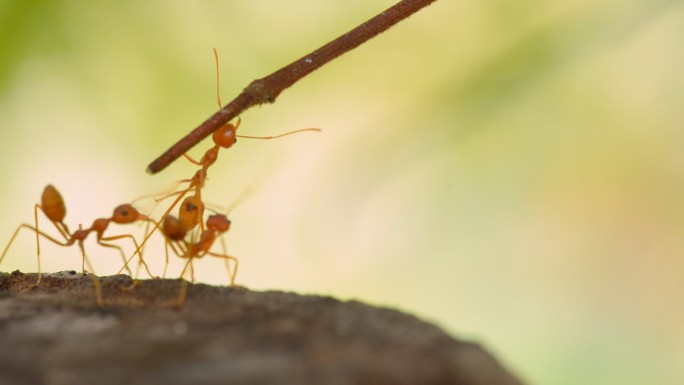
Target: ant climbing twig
{"points": [[224, 137], [186, 243], [267, 89]]}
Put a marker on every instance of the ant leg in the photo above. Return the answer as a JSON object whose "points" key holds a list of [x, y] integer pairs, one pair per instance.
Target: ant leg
{"points": [[98, 289], [135, 243], [169, 195], [38, 233], [35, 219], [228, 258], [166, 261], [157, 224], [91, 274], [142, 249], [192, 271], [61, 228], [183, 292], [123, 255], [227, 262], [83, 257], [177, 248], [142, 260], [192, 160]]}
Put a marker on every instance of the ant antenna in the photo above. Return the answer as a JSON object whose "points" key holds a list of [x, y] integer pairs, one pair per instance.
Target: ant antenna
{"points": [[218, 80], [279, 135], [218, 99]]}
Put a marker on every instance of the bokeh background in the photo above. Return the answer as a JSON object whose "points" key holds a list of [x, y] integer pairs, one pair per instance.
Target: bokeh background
{"points": [[512, 171]]}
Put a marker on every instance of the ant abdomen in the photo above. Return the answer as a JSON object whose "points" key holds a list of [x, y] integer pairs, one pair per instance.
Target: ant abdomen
{"points": [[53, 204]]}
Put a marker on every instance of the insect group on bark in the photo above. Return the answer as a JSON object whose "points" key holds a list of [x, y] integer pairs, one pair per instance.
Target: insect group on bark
{"points": [[188, 235]]}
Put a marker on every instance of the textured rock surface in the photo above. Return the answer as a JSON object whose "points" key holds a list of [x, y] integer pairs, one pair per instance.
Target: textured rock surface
{"points": [[55, 334]]}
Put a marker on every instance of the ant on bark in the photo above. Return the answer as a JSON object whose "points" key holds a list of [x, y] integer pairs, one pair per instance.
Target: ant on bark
{"points": [[175, 234], [175, 231], [186, 242], [53, 207]]}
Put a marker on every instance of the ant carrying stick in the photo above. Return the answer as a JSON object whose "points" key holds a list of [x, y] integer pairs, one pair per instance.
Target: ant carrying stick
{"points": [[52, 205], [224, 137]]}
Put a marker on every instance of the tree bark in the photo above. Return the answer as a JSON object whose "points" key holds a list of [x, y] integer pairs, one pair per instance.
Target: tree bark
{"points": [[56, 334]]}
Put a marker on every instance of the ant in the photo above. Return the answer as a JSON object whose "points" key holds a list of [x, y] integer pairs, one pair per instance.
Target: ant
{"points": [[175, 231], [53, 207], [175, 234], [224, 137]]}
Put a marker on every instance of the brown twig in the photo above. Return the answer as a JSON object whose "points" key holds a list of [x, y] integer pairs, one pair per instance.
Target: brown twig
{"points": [[266, 90]]}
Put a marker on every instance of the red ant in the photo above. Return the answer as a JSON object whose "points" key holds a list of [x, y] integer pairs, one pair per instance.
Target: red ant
{"points": [[176, 229], [175, 234], [52, 205], [224, 137]]}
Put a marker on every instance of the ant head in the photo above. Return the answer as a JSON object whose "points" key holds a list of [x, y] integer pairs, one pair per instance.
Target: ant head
{"points": [[125, 214], [225, 136], [172, 228], [53, 204], [218, 222]]}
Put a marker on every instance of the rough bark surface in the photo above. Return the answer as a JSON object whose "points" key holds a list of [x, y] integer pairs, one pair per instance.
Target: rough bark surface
{"points": [[56, 334]]}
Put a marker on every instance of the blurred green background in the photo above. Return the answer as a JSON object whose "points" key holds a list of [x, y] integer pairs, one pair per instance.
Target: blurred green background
{"points": [[512, 171]]}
